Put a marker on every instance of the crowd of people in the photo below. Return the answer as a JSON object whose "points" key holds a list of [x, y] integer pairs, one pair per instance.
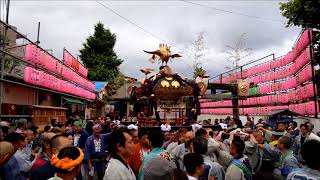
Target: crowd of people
{"points": [[99, 149]]}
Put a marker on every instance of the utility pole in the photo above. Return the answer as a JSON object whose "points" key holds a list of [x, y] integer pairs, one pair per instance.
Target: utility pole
{"points": [[7, 13], [38, 34], [3, 55]]}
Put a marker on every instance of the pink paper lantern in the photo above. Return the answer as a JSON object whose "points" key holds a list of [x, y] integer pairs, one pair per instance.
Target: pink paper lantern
{"points": [[303, 41]]}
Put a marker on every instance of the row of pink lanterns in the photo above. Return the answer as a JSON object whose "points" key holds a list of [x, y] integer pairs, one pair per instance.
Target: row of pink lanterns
{"points": [[300, 53], [227, 103], [285, 72], [303, 76], [290, 70], [243, 111], [299, 94], [302, 109]]}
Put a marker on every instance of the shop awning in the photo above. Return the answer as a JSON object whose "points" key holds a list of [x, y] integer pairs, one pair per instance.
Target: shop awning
{"points": [[72, 100]]}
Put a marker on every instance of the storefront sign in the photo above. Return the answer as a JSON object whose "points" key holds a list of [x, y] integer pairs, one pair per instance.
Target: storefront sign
{"points": [[43, 79]]}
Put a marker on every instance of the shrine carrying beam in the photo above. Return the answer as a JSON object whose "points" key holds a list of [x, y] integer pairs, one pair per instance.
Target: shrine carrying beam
{"points": [[233, 88], [220, 97], [221, 86]]}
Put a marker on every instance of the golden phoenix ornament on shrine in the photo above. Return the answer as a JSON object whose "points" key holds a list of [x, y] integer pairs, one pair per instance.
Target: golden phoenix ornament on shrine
{"points": [[163, 53]]}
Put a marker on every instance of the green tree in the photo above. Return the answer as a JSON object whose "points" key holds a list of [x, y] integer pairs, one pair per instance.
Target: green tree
{"points": [[304, 13], [115, 83], [98, 55]]}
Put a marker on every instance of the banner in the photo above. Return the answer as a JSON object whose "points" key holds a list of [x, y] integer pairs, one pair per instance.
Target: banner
{"points": [[40, 78], [74, 63], [47, 61]]}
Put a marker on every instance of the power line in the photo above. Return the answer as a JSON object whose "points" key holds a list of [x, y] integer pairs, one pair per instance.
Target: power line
{"points": [[140, 27], [233, 12], [134, 24]]}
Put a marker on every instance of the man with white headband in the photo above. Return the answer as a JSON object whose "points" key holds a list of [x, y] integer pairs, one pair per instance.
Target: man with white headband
{"points": [[132, 126], [166, 127], [133, 131], [95, 152]]}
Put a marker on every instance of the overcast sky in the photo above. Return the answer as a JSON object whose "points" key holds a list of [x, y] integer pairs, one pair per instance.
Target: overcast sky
{"points": [[68, 24]]}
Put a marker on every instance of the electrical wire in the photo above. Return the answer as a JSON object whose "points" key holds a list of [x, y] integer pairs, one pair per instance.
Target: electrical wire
{"points": [[233, 12], [141, 28], [134, 24]]}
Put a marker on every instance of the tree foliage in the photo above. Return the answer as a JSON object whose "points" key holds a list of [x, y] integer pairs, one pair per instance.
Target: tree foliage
{"points": [[98, 55], [199, 71], [115, 83], [304, 13]]}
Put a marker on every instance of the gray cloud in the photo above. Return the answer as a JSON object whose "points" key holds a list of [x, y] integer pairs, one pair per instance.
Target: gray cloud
{"points": [[67, 24]]}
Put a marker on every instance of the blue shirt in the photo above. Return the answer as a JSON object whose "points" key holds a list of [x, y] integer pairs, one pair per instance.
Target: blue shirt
{"points": [[90, 150], [12, 171]]}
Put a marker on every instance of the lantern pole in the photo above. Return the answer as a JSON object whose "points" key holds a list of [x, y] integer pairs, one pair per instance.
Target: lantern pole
{"points": [[312, 61]]}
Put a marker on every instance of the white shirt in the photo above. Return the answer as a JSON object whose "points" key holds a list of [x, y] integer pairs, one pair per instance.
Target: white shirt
{"points": [[76, 140], [116, 170], [18, 131], [191, 177], [97, 145], [165, 127], [55, 177]]}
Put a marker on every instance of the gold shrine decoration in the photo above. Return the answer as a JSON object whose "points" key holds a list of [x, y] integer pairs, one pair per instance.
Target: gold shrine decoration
{"points": [[163, 53], [175, 84], [165, 83], [203, 87], [147, 71], [154, 78], [243, 89], [171, 92]]}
